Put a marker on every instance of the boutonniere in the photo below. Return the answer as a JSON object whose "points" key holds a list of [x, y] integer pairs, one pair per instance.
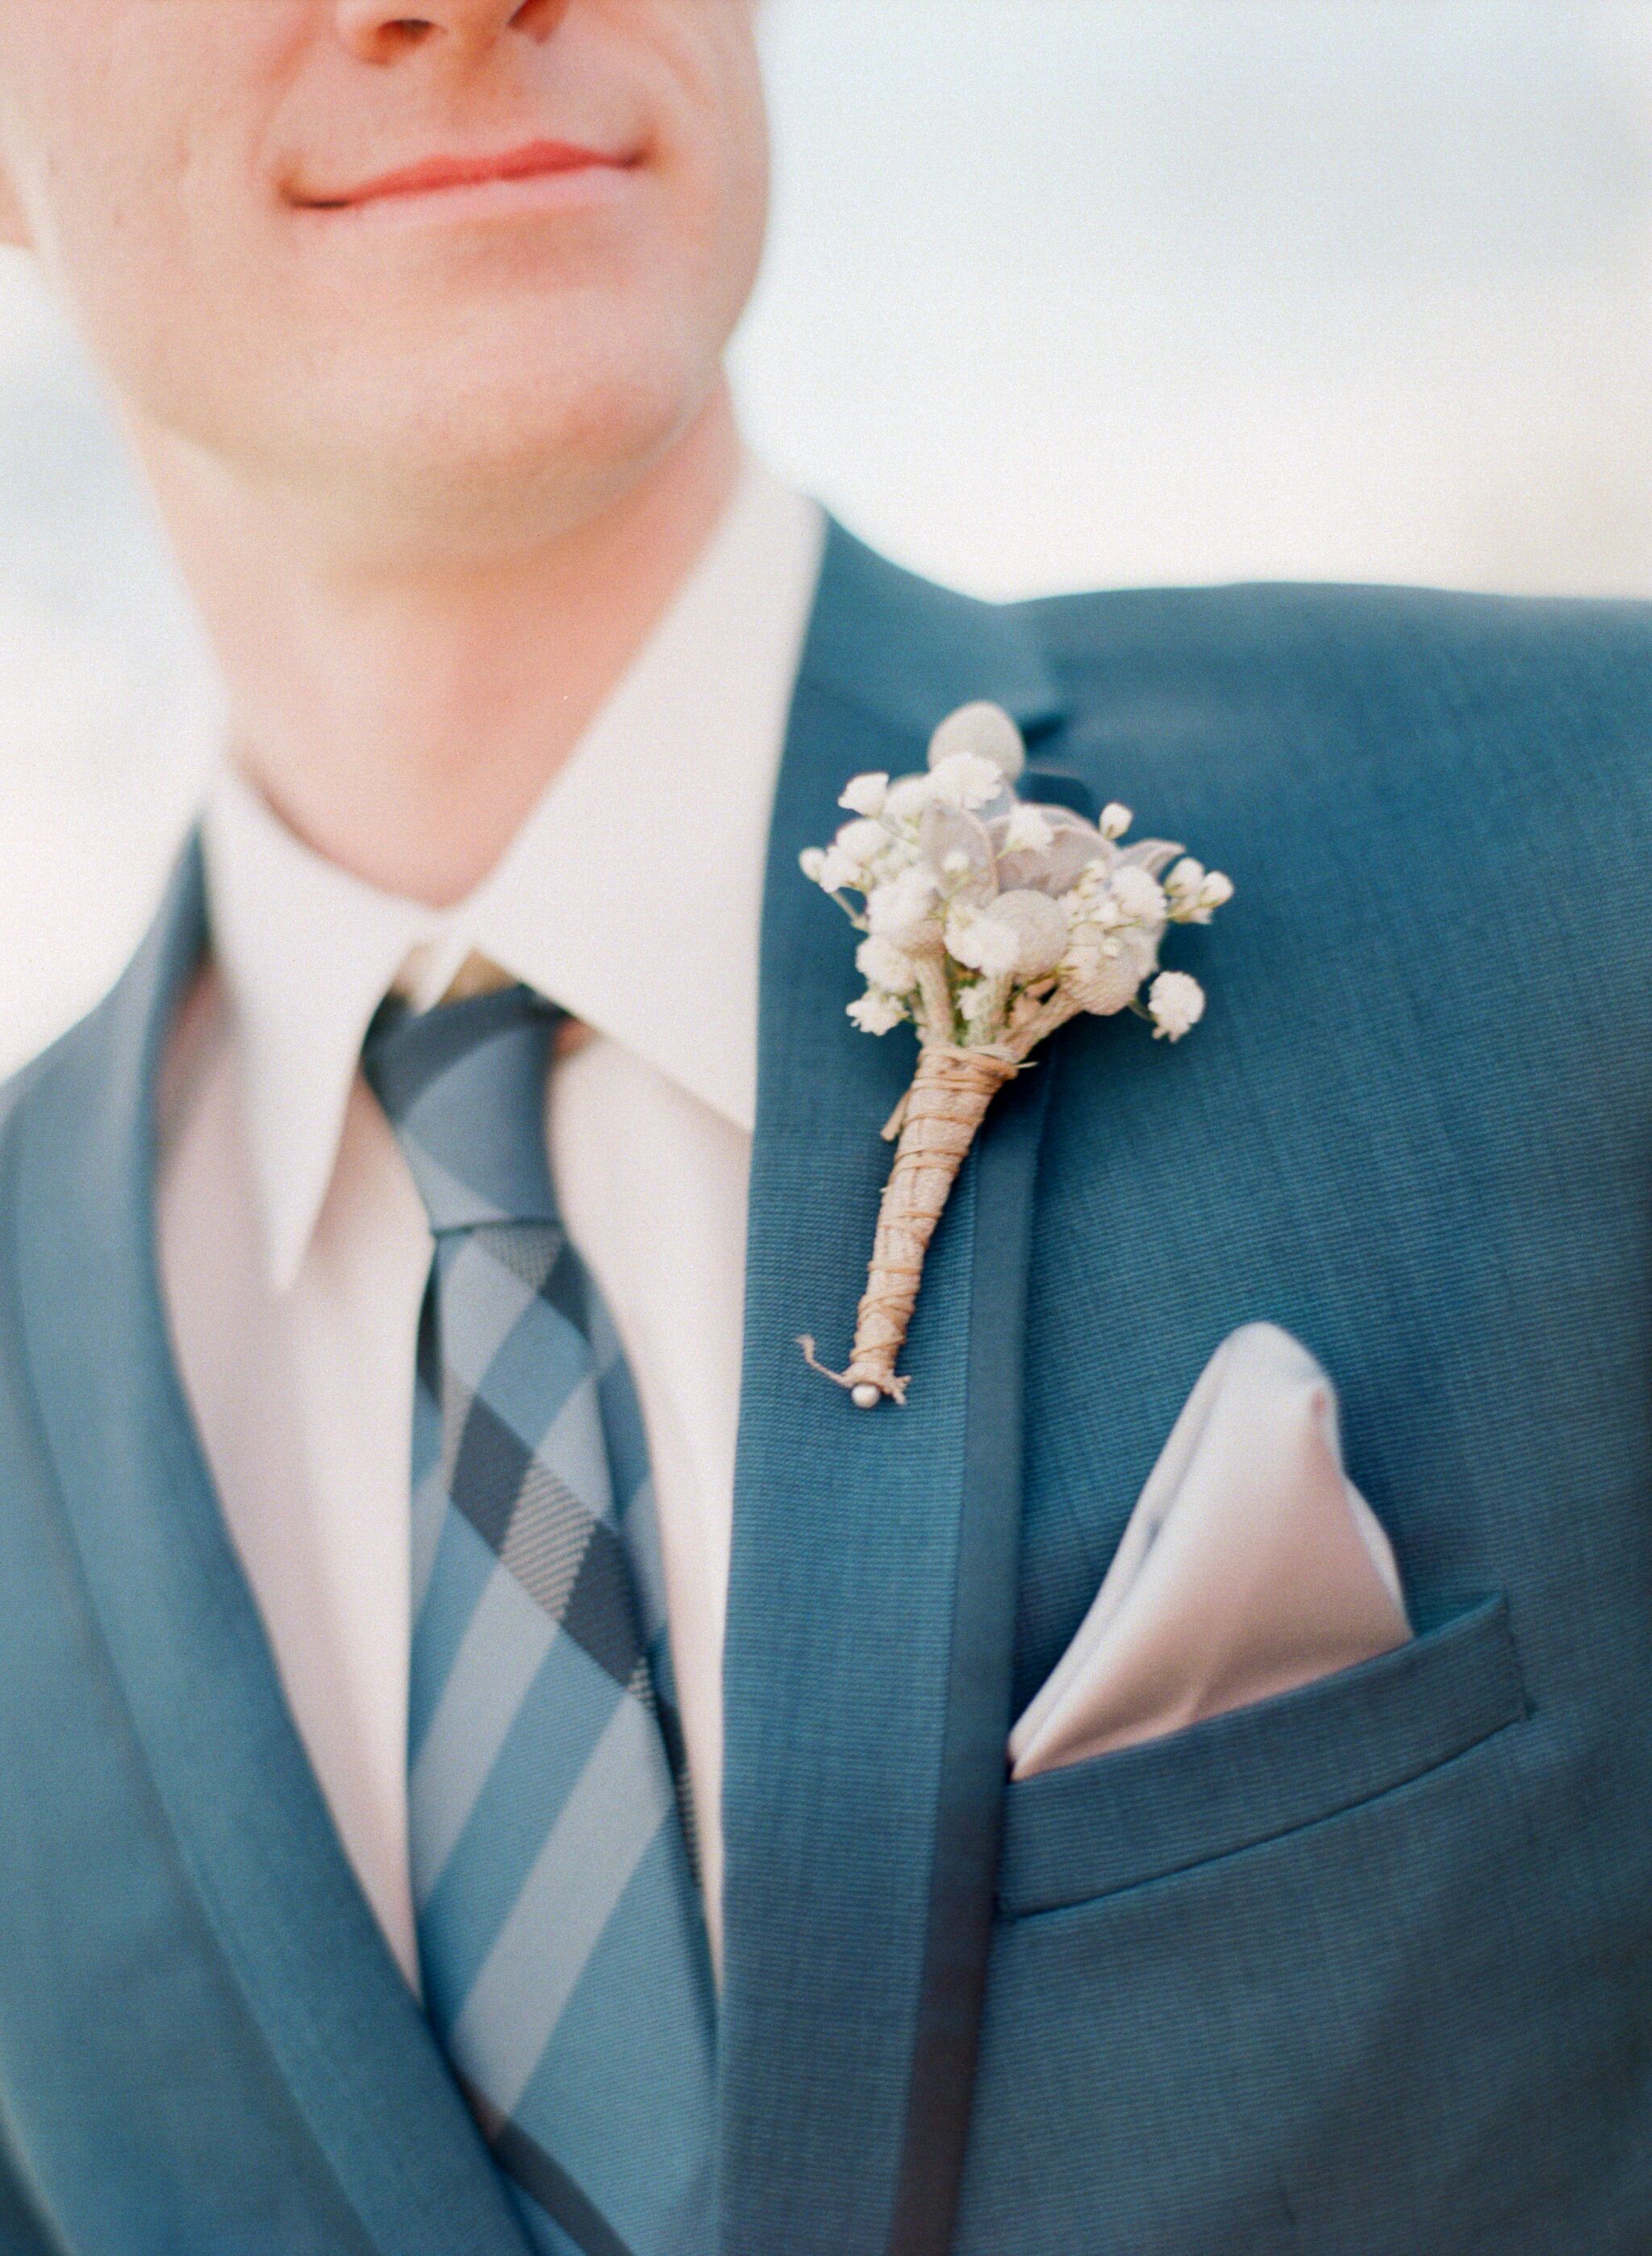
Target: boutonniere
{"points": [[989, 921]]}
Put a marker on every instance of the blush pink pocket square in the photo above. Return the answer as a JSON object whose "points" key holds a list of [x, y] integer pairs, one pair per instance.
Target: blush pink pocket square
{"points": [[1250, 1565]]}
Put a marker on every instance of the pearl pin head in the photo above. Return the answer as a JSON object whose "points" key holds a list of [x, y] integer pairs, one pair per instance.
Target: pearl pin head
{"points": [[865, 1396]]}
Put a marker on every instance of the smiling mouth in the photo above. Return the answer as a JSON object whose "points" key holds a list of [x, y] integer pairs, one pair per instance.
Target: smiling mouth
{"points": [[434, 175]]}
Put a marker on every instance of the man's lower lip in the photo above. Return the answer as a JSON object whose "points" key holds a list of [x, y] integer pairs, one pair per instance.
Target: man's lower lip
{"points": [[566, 186]]}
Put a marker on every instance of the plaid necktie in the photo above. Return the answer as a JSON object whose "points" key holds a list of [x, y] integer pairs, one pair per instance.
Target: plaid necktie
{"points": [[560, 1932]]}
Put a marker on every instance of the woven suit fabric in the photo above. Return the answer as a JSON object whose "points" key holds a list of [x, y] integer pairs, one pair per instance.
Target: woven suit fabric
{"points": [[561, 1934]]}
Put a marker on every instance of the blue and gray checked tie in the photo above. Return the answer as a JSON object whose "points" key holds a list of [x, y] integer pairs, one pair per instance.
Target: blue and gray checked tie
{"points": [[561, 1935]]}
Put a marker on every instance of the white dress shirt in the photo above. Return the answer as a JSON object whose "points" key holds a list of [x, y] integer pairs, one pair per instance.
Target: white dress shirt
{"points": [[294, 1250]]}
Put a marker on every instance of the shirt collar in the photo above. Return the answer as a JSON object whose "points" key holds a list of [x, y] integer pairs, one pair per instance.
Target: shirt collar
{"points": [[632, 895]]}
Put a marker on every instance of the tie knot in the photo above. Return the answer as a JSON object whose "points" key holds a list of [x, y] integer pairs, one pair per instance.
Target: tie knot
{"points": [[463, 1088]]}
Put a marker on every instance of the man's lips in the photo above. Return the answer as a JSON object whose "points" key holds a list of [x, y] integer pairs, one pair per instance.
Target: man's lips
{"points": [[533, 160]]}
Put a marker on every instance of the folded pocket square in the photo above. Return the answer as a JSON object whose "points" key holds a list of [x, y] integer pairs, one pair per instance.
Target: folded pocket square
{"points": [[1250, 1565]]}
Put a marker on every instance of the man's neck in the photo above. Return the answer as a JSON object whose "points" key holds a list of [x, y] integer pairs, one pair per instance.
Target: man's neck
{"points": [[405, 722]]}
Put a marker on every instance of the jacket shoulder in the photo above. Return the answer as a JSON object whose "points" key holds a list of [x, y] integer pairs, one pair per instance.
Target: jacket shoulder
{"points": [[1301, 624], [1346, 682]]}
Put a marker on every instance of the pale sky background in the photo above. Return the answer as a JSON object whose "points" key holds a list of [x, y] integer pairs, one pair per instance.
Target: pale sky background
{"points": [[1062, 293]]}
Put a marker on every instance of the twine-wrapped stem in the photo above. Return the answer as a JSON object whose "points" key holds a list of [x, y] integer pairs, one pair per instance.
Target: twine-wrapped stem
{"points": [[936, 1125]]}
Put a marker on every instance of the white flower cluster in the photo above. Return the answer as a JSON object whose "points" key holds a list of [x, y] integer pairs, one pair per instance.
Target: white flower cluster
{"points": [[987, 920]]}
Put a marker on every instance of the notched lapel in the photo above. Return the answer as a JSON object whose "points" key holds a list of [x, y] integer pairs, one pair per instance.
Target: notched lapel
{"points": [[253, 1832], [867, 1677]]}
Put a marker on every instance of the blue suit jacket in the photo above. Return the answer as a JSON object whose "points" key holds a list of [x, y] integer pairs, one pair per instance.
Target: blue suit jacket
{"points": [[1364, 1969]]}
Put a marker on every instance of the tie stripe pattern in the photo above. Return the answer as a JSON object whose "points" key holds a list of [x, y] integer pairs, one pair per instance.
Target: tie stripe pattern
{"points": [[561, 1936]]}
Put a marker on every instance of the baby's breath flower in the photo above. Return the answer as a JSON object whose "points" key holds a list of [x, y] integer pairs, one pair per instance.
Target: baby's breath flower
{"points": [[882, 964], [1139, 897], [1027, 832], [1195, 894], [1021, 935], [1176, 1003], [861, 841], [1078, 900], [1116, 819], [982, 942], [907, 799], [813, 862], [904, 909], [875, 1014], [964, 780], [838, 870], [865, 794]]}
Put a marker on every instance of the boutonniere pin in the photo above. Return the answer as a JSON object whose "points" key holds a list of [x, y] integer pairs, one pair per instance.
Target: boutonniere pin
{"points": [[989, 921]]}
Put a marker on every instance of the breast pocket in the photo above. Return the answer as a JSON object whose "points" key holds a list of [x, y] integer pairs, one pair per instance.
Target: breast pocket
{"points": [[1253, 1775]]}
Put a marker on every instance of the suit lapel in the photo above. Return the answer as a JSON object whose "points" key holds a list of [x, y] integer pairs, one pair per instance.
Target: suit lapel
{"points": [[867, 1677], [255, 1837]]}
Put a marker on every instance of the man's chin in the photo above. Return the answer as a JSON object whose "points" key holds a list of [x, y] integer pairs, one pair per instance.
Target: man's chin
{"points": [[485, 468]]}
